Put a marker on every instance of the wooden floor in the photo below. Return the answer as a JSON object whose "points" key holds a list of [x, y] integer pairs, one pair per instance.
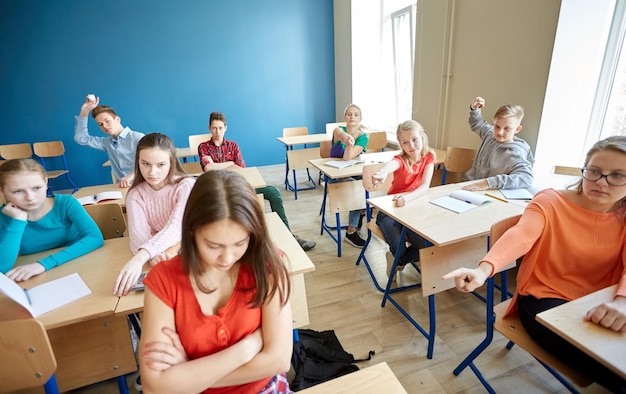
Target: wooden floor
{"points": [[341, 297]]}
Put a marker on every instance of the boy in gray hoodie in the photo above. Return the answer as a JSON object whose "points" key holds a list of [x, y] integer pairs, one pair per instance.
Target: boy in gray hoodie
{"points": [[503, 160]]}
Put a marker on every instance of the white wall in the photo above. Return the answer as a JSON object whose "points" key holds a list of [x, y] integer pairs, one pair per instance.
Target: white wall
{"points": [[498, 49]]}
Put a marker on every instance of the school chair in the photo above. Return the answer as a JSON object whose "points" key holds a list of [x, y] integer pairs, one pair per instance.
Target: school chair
{"points": [[457, 160], [372, 227], [53, 150], [109, 218], [192, 167], [377, 141], [16, 151], [197, 139], [325, 147], [511, 327], [342, 197], [330, 127], [298, 159], [27, 357], [563, 170]]}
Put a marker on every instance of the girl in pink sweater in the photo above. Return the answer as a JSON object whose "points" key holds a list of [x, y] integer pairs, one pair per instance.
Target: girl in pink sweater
{"points": [[154, 205], [573, 243]]}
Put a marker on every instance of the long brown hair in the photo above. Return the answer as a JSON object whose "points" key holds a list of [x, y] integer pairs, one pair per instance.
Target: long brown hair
{"points": [[165, 143], [223, 194]]}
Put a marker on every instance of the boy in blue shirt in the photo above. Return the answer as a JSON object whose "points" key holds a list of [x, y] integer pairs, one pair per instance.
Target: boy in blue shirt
{"points": [[120, 144]]}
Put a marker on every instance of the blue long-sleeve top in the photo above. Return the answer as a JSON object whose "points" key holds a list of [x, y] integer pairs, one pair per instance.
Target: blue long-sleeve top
{"points": [[67, 225]]}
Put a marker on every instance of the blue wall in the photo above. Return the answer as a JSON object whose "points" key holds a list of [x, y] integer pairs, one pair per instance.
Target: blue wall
{"points": [[164, 66]]}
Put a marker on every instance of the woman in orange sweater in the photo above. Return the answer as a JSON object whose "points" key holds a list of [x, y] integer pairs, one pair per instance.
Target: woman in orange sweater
{"points": [[573, 243]]}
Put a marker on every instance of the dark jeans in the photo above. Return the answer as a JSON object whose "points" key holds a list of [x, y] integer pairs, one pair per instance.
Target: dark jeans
{"points": [[391, 231], [578, 360]]}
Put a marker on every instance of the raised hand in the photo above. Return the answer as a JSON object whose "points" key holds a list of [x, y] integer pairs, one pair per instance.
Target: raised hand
{"points": [[88, 105], [478, 103]]}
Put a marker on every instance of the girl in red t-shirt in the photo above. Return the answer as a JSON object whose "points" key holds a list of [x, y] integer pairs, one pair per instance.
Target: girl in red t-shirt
{"points": [[217, 317], [413, 170]]}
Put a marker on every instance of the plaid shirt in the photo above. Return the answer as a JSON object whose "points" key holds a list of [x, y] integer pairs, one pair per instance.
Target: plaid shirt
{"points": [[228, 151]]}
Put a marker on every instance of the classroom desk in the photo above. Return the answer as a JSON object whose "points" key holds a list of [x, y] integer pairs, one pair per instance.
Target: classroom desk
{"points": [[289, 143], [299, 264], [332, 174], [606, 346], [375, 379], [93, 190], [457, 239], [252, 175], [90, 343]]}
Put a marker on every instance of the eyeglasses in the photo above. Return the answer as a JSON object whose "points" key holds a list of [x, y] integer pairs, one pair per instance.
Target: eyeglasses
{"points": [[613, 179]]}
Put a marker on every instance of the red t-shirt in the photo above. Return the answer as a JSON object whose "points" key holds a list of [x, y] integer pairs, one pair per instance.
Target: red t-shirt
{"points": [[202, 335], [407, 181]]}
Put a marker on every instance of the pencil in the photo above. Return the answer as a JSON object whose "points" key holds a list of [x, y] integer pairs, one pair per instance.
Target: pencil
{"points": [[497, 198]]}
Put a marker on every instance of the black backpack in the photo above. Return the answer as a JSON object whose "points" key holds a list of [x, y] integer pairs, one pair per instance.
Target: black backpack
{"points": [[318, 356]]}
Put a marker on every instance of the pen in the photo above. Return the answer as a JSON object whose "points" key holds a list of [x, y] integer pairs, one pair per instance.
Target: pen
{"points": [[27, 296], [497, 198]]}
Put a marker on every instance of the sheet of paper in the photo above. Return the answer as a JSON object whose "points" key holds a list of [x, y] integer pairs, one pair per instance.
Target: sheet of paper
{"points": [[47, 296], [56, 293], [453, 204], [517, 194], [471, 197], [342, 163]]}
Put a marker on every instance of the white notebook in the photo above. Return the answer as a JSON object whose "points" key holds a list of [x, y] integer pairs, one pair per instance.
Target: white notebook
{"points": [[342, 163], [102, 196], [517, 194], [461, 200], [47, 296]]}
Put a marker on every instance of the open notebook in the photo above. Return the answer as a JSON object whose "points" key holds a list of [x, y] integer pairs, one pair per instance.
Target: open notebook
{"points": [[102, 196], [342, 163], [461, 200], [47, 296]]}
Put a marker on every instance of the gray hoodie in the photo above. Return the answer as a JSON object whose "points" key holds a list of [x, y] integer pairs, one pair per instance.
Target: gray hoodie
{"points": [[507, 165]]}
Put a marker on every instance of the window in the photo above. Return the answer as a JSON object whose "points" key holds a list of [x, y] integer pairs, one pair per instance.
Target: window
{"points": [[383, 37], [398, 32], [609, 114]]}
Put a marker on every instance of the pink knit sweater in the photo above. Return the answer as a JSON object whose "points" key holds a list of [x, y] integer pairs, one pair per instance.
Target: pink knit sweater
{"points": [[155, 216]]}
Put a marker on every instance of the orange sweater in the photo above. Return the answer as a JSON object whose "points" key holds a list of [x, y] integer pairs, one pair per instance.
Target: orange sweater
{"points": [[568, 251]]}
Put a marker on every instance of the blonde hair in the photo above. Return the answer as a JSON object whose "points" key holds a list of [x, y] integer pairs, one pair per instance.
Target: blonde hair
{"points": [[510, 111], [14, 166], [411, 125]]}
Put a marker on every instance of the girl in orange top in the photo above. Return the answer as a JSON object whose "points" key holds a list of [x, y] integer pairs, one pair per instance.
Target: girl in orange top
{"points": [[217, 317], [573, 243]]}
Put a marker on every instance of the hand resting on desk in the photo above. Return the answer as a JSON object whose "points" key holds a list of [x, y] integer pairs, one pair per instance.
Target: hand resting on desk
{"points": [[611, 315]]}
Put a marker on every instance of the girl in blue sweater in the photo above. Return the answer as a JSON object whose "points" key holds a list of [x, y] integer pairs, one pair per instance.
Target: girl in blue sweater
{"points": [[31, 222]]}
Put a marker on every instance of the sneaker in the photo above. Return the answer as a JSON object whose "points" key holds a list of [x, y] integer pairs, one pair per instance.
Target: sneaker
{"points": [[355, 240], [304, 244], [138, 386]]}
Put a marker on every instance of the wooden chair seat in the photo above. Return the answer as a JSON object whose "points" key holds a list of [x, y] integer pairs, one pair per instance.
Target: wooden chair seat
{"points": [[377, 141], [563, 170], [512, 328], [109, 218], [27, 357], [197, 139], [47, 153], [458, 160], [16, 151]]}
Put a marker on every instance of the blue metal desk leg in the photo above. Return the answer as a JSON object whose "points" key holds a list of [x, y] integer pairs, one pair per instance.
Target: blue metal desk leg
{"points": [[469, 360]]}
